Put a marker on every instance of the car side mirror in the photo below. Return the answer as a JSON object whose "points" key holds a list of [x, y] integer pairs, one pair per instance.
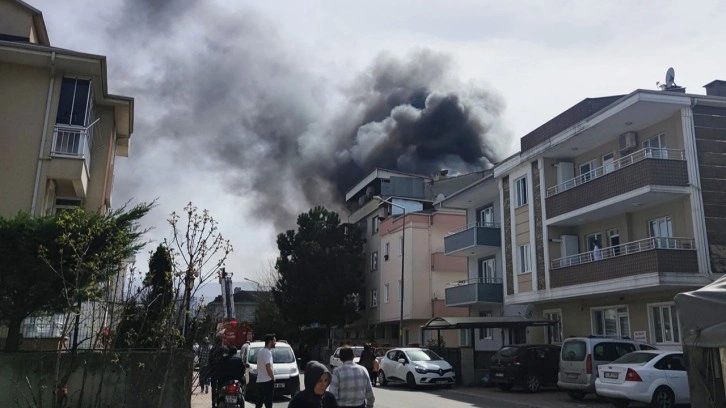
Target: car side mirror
{"points": [[402, 360]]}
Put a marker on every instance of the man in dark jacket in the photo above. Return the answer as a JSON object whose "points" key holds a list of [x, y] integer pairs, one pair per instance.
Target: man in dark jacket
{"points": [[231, 368]]}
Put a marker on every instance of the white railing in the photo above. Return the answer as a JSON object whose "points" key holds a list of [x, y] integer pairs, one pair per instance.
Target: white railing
{"points": [[640, 155], [72, 141], [462, 282], [633, 247], [474, 225]]}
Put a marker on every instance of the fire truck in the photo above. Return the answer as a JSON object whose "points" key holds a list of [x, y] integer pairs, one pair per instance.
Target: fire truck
{"points": [[235, 333]]}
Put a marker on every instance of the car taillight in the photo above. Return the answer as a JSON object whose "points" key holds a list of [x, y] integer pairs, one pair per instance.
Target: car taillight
{"points": [[232, 388], [588, 364], [632, 375]]}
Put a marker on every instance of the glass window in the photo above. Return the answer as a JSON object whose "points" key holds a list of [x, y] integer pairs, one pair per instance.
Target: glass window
{"points": [[374, 261], [608, 163], [665, 323], [655, 147], [375, 222], [553, 333], [73, 102], [386, 294], [610, 321], [574, 350], [525, 264], [520, 188], [586, 170], [464, 337], [487, 272], [485, 333], [485, 217]]}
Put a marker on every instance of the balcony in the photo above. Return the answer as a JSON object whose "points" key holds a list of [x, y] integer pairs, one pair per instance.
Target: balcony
{"points": [[645, 256], [474, 240], [71, 154], [475, 291], [641, 174]]}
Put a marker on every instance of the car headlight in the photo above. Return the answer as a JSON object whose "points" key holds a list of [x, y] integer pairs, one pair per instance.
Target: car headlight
{"points": [[293, 371], [419, 369]]}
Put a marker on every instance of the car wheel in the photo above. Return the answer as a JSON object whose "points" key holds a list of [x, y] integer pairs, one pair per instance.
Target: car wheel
{"points": [[619, 403], [663, 398], [382, 378], [410, 381], [505, 387], [576, 395], [532, 383]]}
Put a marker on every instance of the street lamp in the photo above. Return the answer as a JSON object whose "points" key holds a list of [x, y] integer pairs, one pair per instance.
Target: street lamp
{"points": [[403, 264], [259, 285]]}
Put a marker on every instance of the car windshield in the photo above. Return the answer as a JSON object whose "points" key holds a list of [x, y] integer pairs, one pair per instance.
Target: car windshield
{"points": [[507, 351], [279, 355], [635, 358], [422, 355]]}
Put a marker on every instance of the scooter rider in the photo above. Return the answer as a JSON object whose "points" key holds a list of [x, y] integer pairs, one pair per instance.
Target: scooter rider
{"points": [[230, 369]]}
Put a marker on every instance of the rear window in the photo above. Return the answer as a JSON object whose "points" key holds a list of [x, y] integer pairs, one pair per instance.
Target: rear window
{"points": [[610, 351], [574, 350], [635, 357]]}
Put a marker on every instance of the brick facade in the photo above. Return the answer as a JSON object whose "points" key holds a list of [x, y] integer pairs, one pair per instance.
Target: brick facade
{"points": [[538, 231], [508, 236]]}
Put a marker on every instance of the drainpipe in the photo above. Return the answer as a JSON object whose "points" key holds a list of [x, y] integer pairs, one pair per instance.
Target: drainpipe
{"points": [[43, 135]]}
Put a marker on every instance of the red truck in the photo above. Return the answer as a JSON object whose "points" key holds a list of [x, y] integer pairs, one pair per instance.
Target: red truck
{"points": [[235, 333]]}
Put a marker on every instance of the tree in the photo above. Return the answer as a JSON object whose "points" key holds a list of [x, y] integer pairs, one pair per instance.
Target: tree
{"points": [[198, 251], [320, 269], [53, 263]]}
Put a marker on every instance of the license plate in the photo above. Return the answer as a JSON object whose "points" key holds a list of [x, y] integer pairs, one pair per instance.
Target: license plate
{"points": [[571, 376], [499, 374], [232, 399], [441, 382], [279, 385], [610, 374]]}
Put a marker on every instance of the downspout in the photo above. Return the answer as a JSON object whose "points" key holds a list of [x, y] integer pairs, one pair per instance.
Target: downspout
{"points": [[43, 135]]}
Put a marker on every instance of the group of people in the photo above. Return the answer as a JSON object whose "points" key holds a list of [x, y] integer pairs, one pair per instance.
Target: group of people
{"points": [[348, 386]]}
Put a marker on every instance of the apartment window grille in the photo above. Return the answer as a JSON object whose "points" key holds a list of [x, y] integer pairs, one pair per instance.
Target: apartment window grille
{"points": [[610, 321], [520, 189], [525, 263], [665, 320]]}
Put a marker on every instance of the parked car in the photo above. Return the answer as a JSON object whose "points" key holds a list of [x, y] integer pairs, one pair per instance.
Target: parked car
{"points": [[529, 365], [581, 356], [415, 366], [656, 377], [335, 358], [284, 365]]}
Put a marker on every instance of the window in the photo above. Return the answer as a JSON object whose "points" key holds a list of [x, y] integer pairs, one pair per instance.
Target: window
{"points": [[43, 326], [586, 169], [375, 222], [662, 229], [553, 333], [610, 321], [520, 189], [665, 323], [485, 333], [75, 104], [487, 270], [485, 216], [614, 241], [386, 251], [374, 261], [374, 297], [66, 204], [386, 295], [655, 147], [464, 337], [525, 264], [608, 163]]}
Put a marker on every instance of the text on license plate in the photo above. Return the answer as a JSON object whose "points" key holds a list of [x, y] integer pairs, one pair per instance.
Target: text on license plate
{"points": [[610, 374], [442, 382], [279, 385], [571, 376], [232, 399]]}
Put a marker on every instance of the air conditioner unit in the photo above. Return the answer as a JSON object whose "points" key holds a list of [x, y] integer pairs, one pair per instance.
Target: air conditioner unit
{"points": [[628, 141]]}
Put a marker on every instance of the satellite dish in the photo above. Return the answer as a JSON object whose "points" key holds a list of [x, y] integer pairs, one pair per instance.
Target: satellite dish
{"points": [[670, 79]]}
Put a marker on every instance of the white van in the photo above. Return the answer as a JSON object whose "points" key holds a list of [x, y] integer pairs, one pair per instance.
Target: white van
{"points": [[284, 365]]}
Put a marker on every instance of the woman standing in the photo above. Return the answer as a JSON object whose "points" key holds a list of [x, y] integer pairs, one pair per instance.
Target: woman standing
{"points": [[317, 379]]}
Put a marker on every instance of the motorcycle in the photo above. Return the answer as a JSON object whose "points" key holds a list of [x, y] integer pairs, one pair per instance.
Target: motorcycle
{"points": [[230, 395]]}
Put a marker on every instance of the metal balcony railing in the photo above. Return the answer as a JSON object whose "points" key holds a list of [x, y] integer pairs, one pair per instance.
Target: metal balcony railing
{"points": [[494, 279], [633, 247], [640, 155], [474, 225], [72, 141]]}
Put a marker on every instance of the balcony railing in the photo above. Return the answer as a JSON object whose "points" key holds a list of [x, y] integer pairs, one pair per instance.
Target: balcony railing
{"points": [[473, 240], [474, 225], [72, 141], [476, 280], [476, 290], [640, 155], [624, 249]]}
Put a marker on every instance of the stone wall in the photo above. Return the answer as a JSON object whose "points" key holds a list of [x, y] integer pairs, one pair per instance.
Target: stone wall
{"points": [[98, 379]]}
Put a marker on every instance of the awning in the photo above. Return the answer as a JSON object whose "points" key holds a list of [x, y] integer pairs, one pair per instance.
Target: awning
{"points": [[453, 323]]}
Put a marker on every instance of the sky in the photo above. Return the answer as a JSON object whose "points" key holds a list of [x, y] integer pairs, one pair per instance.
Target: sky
{"points": [[258, 111]]}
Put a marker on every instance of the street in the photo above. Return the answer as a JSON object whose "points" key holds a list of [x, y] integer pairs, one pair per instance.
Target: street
{"points": [[457, 397]]}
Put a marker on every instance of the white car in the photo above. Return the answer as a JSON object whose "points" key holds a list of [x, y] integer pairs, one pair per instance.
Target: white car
{"points": [[656, 377], [415, 366], [335, 360]]}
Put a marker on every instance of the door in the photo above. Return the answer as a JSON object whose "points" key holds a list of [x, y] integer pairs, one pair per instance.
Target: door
{"points": [[401, 368], [586, 171], [608, 163], [486, 216], [655, 147], [662, 228], [487, 270], [675, 371], [614, 241]]}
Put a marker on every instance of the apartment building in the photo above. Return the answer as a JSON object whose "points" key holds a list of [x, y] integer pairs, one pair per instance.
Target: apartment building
{"points": [[408, 246], [60, 128], [611, 208]]}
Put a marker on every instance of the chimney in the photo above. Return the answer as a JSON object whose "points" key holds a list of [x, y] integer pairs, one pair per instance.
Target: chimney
{"points": [[716, 88], [440, 175]]}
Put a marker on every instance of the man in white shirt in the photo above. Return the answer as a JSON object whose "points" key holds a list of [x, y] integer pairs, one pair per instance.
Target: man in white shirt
{"points": [[265, 374]]}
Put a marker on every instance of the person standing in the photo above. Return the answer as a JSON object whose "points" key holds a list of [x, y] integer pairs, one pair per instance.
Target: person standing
{"points": [[203, 358], [265, 373], [216, 355], [317, 379], [366, 360], [351, 385]]}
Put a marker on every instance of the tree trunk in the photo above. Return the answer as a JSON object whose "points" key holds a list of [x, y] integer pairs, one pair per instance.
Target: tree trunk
{"points": [[12, 343]]}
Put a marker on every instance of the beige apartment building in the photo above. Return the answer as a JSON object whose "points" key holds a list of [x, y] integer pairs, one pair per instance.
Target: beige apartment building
{"points": [[60, 128], [611, 208]]}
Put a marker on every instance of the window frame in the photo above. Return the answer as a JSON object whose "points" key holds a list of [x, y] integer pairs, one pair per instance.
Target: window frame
{"points": [[524, 262], [592, 165], [375, 225], [386, 293], [374, 261], [554, 331], [520, 192], [488, 332], [618, 316], [675, 329]]}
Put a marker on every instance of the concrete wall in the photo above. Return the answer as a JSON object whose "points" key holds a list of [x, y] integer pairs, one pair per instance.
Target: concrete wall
{"points": [[122, 379], [15, 19]]}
